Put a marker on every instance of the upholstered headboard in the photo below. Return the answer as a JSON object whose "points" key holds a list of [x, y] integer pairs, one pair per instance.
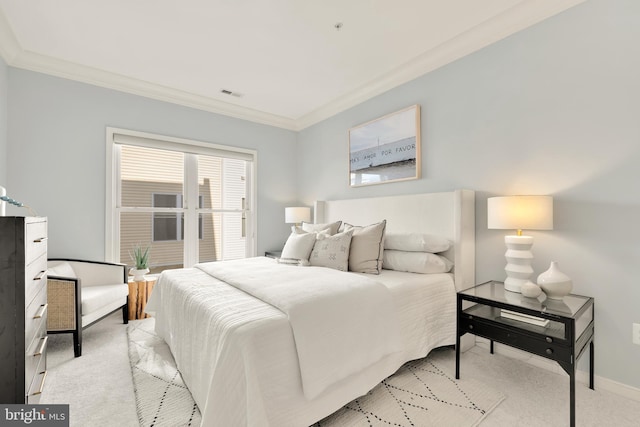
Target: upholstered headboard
{"points": [[447, 214]]}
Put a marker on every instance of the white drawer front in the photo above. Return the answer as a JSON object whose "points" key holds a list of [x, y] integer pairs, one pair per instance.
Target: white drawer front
{"points": [[35, 278], [36, 240], [37, 385], [35, 353], [35, 316]]}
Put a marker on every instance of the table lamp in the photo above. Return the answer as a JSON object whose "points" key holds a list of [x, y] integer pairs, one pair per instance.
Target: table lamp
{"points": [[519, 213], [296, 215]]}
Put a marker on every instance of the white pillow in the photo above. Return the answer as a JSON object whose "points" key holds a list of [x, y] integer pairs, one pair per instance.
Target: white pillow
{"points": [[367, 244], [298, 230], [63, 269], [314, 228], [416, 242], [332, 251], [298, 246], [415, 262]]}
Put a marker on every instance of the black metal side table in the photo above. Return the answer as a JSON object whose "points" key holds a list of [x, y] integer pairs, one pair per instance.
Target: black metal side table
{"points": [[560, 330]]}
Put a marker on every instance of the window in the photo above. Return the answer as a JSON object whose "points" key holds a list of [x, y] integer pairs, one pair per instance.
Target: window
{"points": [[151, 181], [170, 226]]}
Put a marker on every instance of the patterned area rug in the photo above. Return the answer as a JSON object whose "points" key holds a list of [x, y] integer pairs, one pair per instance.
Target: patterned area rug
{"points": [[162, 398], [420, 394]]}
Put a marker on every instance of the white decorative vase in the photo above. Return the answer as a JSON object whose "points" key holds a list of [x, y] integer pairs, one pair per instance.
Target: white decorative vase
{"points": [[554, 282], [530, 290], [138, 275]]}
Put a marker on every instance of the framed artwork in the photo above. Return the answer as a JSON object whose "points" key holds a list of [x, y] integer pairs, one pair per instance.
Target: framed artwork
{"points": [[386, 149]]}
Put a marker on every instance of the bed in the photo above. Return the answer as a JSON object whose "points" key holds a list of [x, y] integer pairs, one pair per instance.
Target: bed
{"points": [[251, 358]]}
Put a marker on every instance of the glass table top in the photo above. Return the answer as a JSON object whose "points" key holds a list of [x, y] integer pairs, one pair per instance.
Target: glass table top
{"points": [[569, 306]]}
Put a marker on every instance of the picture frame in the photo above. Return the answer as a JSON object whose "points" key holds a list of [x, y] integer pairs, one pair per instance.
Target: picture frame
{"points": [[386, 149]]}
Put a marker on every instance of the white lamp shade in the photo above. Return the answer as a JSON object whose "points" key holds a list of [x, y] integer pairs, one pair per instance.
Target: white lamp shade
{"points": [[295, 215], [520, 213]]}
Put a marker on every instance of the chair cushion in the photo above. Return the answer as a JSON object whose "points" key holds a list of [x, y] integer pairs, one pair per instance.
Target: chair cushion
{"points": [[62, 269], [96, 297]]}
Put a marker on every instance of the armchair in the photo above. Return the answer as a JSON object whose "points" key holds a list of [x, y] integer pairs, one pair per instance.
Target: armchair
{"points": [[80, 293]]}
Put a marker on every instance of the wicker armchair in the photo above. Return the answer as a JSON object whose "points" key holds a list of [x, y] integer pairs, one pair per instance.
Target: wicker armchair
{"points": [[80, 293]]}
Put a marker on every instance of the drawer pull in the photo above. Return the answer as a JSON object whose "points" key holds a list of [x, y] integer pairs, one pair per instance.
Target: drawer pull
{"points": [[549, 351], [40, 275], [470, 326], [41, 239], [44, 377], [41, 312], [549, 339], [42, 346]]}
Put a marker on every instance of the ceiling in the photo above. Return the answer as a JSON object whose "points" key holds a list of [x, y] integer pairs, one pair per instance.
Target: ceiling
{"points": [[288, 63]]}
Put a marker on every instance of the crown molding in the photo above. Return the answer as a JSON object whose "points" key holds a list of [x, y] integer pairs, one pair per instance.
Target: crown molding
{"points": [[15, 56], [519, 17], [69, 70], [9, 47]]}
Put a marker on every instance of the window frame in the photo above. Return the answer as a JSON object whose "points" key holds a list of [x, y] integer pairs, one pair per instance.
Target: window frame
{"points": [[191, 148], [179, 215]]}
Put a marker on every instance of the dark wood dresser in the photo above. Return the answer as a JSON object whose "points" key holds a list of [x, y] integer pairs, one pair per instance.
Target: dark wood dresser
{"points": [[23, 308]]}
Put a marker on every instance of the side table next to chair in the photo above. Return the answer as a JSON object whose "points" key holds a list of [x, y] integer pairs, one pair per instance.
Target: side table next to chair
{"points": [[138, 295]]}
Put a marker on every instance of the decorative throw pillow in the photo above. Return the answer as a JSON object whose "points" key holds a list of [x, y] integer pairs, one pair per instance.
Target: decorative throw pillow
{"points": [[367, 244], [416, 242], [299, 246], [332, 251], [314, 228], [63, 269], [298, 230], [415, 262]]}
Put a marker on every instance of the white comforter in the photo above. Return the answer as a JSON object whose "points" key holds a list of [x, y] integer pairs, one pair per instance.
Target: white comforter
{"points": [[238, 356], [341, 322]]}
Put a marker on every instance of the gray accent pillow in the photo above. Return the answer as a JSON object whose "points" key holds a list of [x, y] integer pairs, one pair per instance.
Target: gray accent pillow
{"points": [[332, 251], [367, 245]]}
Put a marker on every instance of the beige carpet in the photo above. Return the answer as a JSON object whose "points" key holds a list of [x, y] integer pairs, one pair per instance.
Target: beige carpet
{"points": [[422, 393]]}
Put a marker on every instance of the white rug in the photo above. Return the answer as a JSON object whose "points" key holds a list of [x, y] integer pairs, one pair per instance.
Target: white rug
{"points": [[422, 393], [162, 398]]}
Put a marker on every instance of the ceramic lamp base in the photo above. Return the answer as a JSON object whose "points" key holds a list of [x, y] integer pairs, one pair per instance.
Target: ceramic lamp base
{"points": [[519, 258]]}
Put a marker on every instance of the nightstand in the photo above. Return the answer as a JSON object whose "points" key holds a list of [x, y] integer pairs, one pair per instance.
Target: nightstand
{"points": [[273, 254], [562, 333]]}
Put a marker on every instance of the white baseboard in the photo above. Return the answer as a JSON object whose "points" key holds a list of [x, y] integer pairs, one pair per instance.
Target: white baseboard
{"points": [[581, 376]]}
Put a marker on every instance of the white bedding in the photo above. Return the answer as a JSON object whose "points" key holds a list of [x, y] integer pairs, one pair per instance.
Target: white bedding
{"points": [[318, 303], [238, 357]]}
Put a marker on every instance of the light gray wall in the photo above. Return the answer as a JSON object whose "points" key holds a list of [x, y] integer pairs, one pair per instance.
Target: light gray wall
{"points": [[552, 110], [4, 85], [57, 152]]}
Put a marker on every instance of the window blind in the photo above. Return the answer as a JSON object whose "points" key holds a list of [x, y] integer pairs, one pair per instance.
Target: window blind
{"points": [[176, 144]]}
